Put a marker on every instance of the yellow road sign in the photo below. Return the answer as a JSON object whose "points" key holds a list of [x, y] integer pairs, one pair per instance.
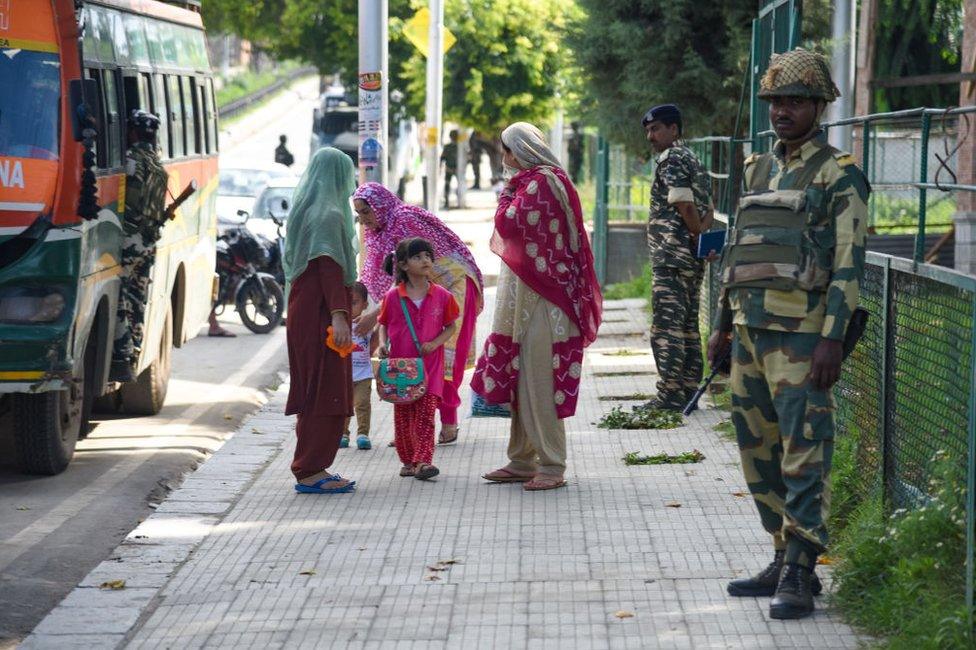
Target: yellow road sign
{"points": [[417, 31]]}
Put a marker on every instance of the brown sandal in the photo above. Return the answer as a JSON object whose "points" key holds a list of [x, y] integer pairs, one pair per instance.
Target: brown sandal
{"points": [[425, 472], [505, 475], [448, 440], [406, 471], [544, 482]]}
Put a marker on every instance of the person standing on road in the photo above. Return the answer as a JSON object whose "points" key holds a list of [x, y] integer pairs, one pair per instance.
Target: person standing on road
{"points": [[680, 211], [790, 282], [449, 158], [282, 155], [142, 223], [548, 310], [320, 267], [575, 152], [388, 221]]}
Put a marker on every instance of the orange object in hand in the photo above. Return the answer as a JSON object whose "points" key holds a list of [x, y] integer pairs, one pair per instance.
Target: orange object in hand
{"points": [[343, 351]]}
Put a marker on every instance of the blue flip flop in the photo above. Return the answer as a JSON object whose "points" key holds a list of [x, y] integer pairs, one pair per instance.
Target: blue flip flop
{"points": [[318, 486]]}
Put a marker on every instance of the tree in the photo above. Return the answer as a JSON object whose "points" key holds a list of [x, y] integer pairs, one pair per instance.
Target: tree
{"points": [[508, 64], [637, 54]]}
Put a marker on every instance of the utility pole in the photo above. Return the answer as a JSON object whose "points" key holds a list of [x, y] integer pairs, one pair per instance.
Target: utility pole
{"points": [[462, 166], [374, 90], [842, 70], [435, 91]]}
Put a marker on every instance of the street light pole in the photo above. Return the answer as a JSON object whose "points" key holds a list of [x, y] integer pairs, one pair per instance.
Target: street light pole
{"points": [[374, 85], [435, 89]]}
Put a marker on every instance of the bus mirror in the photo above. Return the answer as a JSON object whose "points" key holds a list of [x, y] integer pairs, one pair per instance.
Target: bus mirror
{"points": [[83, 94]]}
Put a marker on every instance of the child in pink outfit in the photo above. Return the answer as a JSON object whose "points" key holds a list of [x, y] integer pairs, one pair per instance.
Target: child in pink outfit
{"points": [[433, 312]]}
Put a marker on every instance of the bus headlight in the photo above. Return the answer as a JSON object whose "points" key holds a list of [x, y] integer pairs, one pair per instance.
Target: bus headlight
{"points": [[30, 305]]}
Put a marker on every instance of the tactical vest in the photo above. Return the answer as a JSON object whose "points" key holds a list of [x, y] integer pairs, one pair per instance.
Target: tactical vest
{"points": [[781, 239]]}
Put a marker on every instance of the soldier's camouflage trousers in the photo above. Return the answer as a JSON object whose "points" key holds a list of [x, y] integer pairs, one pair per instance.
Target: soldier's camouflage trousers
{"points": [[136, 263], [675, 340], [785, 431]]}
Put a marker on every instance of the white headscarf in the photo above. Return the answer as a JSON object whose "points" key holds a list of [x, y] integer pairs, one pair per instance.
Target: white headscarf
{"points": [[529, 146]]}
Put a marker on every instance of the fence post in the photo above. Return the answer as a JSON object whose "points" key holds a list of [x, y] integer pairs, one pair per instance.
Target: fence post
{"points": [[600, 226], [886, 401], [923, 174], [971, 481]]}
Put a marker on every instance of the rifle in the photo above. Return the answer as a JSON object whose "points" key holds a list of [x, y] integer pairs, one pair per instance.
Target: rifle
{"points": [[170, 212], [723, 366]]}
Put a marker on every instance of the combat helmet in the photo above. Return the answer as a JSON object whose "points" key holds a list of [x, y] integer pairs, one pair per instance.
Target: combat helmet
{"points": [[143, 121], [799, 73]]}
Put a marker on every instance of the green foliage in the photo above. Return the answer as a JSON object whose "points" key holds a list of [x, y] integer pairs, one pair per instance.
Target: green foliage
{"points": [[637, 287], [684, 458], [915, 37], [617, 418], [890, 215], [632, 397], [634, 55], [507, 65], [900, 576]]}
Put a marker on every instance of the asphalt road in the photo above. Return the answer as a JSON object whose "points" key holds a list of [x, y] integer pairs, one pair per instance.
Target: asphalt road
{"points": [[53, 530]]}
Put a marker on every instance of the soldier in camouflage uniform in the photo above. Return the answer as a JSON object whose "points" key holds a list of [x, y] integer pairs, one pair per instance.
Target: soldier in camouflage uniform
{"points": [[142, 222], [791, 271], [680, 210]]}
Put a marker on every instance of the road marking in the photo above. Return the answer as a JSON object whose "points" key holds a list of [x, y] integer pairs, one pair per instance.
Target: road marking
{"points": [[26, 539]]}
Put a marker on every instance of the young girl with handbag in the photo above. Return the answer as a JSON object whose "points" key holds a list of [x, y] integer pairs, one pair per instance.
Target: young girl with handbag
{"points": [[416, 318]]}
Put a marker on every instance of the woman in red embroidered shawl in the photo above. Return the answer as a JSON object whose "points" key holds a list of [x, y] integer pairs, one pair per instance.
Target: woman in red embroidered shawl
{"points": [[547, 310]]}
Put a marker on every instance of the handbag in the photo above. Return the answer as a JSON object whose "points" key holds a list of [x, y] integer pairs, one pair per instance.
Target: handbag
{"points": [[402, 380]]}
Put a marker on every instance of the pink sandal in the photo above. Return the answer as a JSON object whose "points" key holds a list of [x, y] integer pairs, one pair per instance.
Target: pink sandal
{"points": [[544, 482], [505, 475]]}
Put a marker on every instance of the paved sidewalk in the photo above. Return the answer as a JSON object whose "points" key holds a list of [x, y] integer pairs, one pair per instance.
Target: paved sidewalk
{"points": [[235, 558]]}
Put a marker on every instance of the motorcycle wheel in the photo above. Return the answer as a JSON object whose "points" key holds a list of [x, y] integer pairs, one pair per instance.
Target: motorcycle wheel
{"points": [[261, 313]]}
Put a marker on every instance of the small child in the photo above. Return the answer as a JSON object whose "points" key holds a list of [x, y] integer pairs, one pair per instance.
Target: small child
{"points": [[362, 374], [432, 311]]}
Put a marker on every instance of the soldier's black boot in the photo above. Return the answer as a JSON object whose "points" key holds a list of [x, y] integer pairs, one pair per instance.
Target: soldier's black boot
{"points": [[793, 597], [763, 584]]}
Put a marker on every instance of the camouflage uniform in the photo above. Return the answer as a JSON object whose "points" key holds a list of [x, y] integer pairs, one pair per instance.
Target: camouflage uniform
{"points": [[678, 273], [145, 203], [785, 426]]}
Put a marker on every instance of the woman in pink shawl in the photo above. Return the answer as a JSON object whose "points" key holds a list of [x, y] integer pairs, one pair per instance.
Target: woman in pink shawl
{"points": [[388, 220], [548, 309]]}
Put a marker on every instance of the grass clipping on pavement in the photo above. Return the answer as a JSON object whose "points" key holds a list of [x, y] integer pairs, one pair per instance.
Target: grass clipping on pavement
{"points": [[618, 418], [684, 458]]}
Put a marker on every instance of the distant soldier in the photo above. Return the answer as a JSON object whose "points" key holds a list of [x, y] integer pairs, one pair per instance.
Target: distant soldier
{"points": [[449, 158], [680, 210], [282, 155], [575, 150], [791, 275], [142, 222]]}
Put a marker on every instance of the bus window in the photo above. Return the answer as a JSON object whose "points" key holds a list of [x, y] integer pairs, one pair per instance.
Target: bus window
{"points": [[206, 146], [130, 92], [135, 32], [29, 118], [159, 108], [113, 122], [212, 118], [99, 148], [175, 104], [119, 37], [190, 112]]}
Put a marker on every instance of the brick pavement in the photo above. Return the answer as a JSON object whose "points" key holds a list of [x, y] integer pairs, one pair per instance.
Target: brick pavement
{"points": [[235, 558]]}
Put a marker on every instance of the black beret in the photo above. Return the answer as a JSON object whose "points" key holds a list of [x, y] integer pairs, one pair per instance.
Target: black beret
{"points": [[666, 113]]}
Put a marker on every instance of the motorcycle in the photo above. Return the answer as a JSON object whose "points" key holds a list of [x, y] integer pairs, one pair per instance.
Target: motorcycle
{"points": [[257, 295]]}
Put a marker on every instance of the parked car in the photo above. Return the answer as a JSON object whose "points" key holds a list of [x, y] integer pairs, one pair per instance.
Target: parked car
{"points": [[272, 203], [240, 184], [339, 128]]}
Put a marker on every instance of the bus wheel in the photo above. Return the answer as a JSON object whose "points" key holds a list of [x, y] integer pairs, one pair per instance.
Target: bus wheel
{"points": [[145, 396], [50, 424]]}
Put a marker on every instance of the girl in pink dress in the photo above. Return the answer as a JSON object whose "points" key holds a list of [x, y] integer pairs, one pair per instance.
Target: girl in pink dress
{"points": [[432, 311]]}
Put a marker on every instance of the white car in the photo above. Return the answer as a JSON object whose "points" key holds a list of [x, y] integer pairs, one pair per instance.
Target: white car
{"points": [[274, 201], [240, 184]]}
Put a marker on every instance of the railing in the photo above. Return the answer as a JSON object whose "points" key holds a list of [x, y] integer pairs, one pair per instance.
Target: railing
{"points": [[233, 108]]}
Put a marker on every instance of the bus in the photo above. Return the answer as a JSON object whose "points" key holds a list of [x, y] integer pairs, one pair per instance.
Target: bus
{"points": [[62, 61]]}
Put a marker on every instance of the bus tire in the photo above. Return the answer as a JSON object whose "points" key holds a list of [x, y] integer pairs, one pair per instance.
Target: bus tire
{"points": [[50, 424], [145, 396]]}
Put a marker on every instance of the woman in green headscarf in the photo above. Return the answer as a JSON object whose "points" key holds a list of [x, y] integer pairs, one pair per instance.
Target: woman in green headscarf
{"points": [[320, 266]]}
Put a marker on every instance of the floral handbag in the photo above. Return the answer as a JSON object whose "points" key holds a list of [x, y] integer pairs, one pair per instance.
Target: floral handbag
{"points": [[402, 380]]}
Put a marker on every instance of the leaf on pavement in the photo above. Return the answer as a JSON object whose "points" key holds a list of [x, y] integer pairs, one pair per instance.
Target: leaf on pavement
{"points": [[623, 613], [113, 584], [739, 494], [307, 572], [23, 508], [432, 578], [437, 567], [672, 504], [825, 559], [228, 416]]}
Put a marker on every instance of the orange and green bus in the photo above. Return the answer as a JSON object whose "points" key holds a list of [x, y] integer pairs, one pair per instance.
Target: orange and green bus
{"points": [[59, 272]]}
